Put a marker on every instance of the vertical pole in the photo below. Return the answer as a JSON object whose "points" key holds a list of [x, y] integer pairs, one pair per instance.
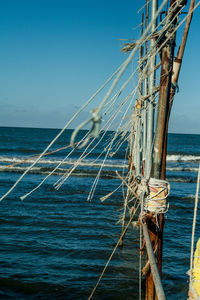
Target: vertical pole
{"points": [[176, 71], [138, 107], [145, 93], [150, 289], [153, 264], [158, 169], [150, 103]]}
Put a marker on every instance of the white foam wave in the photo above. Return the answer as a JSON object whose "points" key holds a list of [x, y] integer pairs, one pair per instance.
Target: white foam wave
{"points": [[11, 161], [175, 157], [179, 169]]}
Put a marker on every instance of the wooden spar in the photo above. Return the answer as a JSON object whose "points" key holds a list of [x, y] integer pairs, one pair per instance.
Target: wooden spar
{"points": [[140, 119], [176, 71], [153, 264], [150, 103], [158, 168], [145, 93]]}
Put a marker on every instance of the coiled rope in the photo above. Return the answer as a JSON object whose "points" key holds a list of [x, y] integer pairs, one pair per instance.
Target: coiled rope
{"points": [[156, 201]]}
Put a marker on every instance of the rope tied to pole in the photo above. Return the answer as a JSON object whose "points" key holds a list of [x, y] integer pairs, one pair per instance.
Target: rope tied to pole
{"points": [[156, 201]]}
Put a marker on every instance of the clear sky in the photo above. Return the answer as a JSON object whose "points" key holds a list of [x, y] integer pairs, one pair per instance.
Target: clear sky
{"points": [[55, 53]]}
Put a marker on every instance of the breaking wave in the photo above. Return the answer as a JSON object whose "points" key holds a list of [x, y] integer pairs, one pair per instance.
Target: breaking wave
{"points": [[61, 171], [85, 172], [87, 163], [177, 158]]}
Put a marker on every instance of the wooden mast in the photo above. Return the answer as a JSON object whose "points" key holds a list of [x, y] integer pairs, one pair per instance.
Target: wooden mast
{"points": [[159, 159], [176, 71]]}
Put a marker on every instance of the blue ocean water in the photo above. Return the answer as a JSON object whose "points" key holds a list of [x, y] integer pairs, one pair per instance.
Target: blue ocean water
{"points": [[55, 243]]}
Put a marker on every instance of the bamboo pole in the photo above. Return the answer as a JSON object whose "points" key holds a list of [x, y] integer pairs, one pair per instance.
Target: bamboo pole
{"points": [[153, 265], [176, 72], [145, 93], [140, 94], [150, 289], [150, 105], [158, 168]]}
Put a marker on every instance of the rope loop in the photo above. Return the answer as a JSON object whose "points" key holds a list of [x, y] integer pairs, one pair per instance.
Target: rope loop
{"points": [[92, 133], [156, 201]]}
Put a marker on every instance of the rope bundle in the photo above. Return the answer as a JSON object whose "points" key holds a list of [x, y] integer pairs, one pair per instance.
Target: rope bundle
{"points": [[156, 201]]}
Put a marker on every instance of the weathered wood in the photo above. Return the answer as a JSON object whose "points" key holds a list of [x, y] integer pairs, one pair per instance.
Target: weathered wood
{"points": [[176, 71], [159, 159]]}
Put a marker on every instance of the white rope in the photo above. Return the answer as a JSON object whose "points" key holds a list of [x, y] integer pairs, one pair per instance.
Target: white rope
{"points": [[83, 155], [51, 173], [153, 202], [65, 176], [60, 181], [91, 194], [60, 133], [111, 120], [28, 194], [23, 197], [121, 72], [110, 194], [111, 256]]}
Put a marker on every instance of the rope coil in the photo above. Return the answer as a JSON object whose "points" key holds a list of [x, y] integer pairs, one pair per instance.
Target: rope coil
{"points": [[156, 201]]}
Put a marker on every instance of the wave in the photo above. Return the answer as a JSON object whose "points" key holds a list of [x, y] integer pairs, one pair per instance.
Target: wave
{"points": [[61, 171], [179, 157], [182, 169], [182, 179], [44, 166], [116, 162], [80, 172], [87, 163]]}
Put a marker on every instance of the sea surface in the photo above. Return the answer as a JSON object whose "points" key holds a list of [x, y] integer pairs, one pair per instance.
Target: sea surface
{"points": [[54, 244]]}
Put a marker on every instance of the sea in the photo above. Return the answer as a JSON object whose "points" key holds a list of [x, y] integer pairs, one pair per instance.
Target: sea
{"points": [[55, 243]]}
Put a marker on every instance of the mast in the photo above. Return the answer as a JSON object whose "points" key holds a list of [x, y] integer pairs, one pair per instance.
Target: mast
{"points": [[150, 105], [159, 158], [176, 71]]}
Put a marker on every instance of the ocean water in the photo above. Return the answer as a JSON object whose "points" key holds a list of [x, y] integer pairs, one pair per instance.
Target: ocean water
{"points": [[55, 243]]}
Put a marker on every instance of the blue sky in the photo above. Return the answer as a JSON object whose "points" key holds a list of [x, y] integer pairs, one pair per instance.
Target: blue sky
{"points": [[56, 53]]}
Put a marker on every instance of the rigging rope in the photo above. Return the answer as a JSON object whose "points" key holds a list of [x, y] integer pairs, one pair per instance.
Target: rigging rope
{"points": [[60, 133], [35, 156], [111, 120], [123, 69], [104, 86], [91, 194], [113, 252]]}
